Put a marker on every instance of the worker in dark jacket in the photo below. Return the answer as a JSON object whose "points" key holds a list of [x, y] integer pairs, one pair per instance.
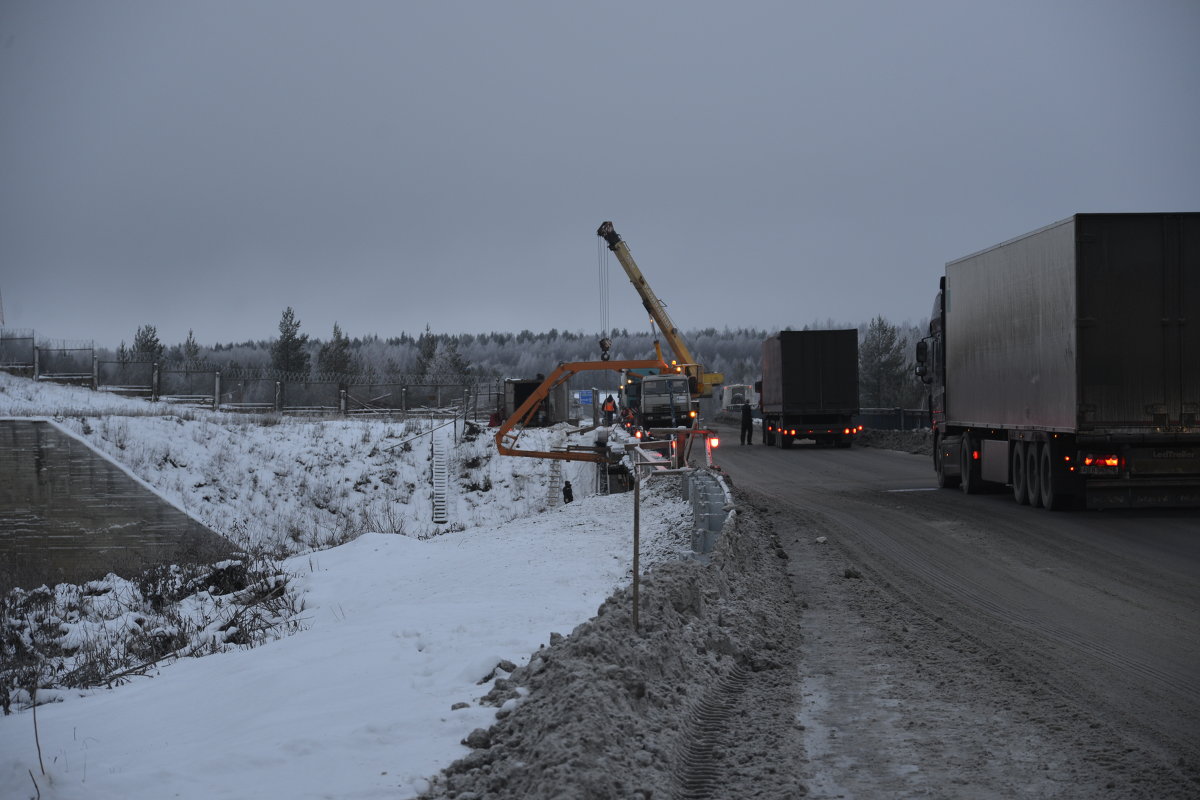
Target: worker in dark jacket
{"points": [[747, 424], [568, 492]]}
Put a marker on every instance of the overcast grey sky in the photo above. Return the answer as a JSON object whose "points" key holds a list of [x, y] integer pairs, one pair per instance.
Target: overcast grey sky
{"points": [[389, 165]]}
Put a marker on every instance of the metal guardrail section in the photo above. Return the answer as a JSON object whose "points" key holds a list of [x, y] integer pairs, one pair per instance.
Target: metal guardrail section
{"points": [[712, 508], [708, 494]]}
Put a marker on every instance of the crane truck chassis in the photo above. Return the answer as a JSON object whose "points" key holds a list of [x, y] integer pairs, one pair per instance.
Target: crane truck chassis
{"points": [[1066, 364]]}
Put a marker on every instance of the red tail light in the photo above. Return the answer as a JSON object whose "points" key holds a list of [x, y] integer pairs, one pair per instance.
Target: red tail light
{"points": [[1102, 464]]}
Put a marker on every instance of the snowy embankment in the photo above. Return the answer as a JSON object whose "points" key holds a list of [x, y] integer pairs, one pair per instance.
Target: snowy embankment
{"points": [[393, 630]]}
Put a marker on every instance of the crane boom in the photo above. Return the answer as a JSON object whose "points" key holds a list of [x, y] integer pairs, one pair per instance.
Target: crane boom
{"points": [[705, 381]]}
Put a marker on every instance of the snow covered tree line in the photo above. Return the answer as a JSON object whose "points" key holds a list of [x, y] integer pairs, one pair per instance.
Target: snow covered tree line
{"points": [[886, 367]]}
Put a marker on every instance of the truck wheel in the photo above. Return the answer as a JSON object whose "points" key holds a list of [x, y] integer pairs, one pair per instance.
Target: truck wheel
{"points": [[844, 441], [967, 466], [944, 481], [785, 441], [1053, 497], [1019, 484], [1033, 473]]}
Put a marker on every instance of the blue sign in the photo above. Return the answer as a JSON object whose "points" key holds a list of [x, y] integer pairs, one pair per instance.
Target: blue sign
{"points": [[585, 397]]}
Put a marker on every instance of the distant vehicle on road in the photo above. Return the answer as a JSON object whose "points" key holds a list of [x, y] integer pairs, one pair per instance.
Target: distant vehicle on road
{"points": [[809, 387]]}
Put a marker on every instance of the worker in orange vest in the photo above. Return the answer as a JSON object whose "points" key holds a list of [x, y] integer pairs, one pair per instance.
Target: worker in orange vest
{"points": [[610, 408]]}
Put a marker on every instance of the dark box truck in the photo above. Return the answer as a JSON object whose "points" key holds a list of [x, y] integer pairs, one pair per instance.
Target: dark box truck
{"points": [[809, 387], [1066, 364]]}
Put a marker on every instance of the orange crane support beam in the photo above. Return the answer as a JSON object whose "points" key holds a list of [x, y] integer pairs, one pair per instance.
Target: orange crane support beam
{"points": [[510, 430]]}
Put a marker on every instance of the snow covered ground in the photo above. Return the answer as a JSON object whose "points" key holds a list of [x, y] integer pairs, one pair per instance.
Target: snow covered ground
{"points": [[395, 629]]}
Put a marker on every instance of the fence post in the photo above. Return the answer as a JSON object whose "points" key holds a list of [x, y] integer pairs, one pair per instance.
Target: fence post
{"points": [[155, 378], [342, 404], [95, 372], [216, 390], [278, 397], [37, 361]]}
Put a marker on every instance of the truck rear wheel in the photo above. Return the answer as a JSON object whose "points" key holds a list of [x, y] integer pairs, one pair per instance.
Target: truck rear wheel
{"points": [[944, 481], [1019, 484], [1033, 473], [968, 468], [1053, 497]]}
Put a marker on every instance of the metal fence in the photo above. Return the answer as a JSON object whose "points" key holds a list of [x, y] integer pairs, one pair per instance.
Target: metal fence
{"points": [[893, 419], [245, 389], [18, 351]]}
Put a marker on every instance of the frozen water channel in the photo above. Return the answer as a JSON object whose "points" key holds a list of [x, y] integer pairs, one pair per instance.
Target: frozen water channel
{"points": [[68, 514]]}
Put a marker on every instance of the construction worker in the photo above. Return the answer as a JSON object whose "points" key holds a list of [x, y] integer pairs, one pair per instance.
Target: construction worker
{"points": [[568, 492], [747, 424], [610, 409]]}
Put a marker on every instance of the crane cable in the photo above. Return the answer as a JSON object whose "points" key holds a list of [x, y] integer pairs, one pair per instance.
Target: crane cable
{"points": [[602, 258]]}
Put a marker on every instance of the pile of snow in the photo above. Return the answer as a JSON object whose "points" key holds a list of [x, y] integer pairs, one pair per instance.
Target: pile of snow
{"points": [[400, 634]]}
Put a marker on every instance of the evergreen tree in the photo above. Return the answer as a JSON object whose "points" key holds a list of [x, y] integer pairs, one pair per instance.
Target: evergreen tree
{"points": [[427, 346], [447, 361], [191, 350], [123, 357], [334, 356], [882, 366], [146, 346], [288, 353]]}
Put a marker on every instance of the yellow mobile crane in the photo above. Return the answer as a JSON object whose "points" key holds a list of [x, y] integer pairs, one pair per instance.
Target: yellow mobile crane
{"points": [[673, 387], [658, 404]]}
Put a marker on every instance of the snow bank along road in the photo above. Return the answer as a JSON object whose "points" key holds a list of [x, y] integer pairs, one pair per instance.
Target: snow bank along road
{"points": [[861, 635]]}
